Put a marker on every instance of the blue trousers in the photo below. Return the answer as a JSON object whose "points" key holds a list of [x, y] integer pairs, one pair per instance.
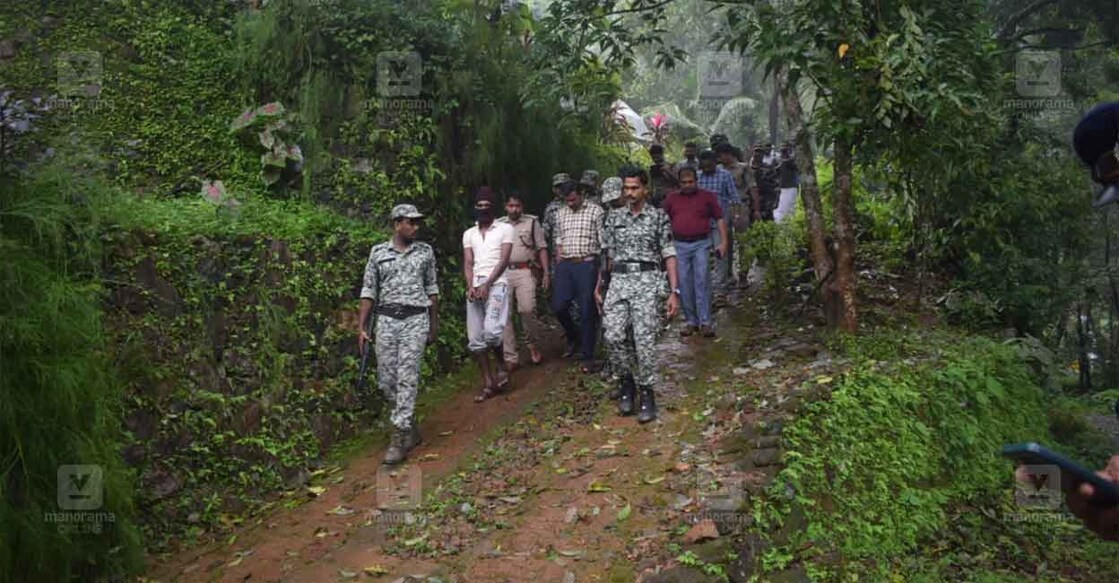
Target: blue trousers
{"points": [[695, 280], [575, 282]]}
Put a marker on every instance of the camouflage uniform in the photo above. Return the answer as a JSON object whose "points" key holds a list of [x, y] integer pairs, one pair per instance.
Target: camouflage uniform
{"points": [[549, 223], [407, 279], [589, 182], [550, 213], [611, 195], [633, 298]]}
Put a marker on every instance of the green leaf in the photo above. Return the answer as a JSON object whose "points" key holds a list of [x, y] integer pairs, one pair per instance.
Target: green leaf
{"points": [[624, 512]]}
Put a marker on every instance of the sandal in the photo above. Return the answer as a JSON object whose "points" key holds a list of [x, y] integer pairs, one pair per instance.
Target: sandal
{"points": [[591, 367], [502, 385], [487, 392]]}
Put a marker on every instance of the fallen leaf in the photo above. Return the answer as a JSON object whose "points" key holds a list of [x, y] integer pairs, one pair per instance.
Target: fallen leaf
{"points": [[561, 470], [341, 511], [596, 487], [823, 380], [347, 574], [572, 553], [655, 480], [375, 571], [445, 433], [316, 490], [415, 541], [624, 513], [682, 467], [703, 530], [429, 456], [511, 499]]}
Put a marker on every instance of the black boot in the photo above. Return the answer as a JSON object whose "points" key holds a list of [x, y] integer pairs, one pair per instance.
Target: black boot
{"points": [[626, 395], [398, 447], [414, 437], [648, 410]]}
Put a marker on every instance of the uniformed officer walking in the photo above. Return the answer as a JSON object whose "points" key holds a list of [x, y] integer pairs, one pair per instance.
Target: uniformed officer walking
{"points": [[636, 239], [552, 210], [612, 198], [530, 255], [400, 287]]}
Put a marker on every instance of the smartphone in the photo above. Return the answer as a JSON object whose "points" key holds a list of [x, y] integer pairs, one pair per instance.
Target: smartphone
{"points": [[1072, 473]]}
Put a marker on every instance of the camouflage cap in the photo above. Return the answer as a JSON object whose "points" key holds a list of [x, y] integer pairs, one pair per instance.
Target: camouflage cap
{"points": [[406, 211], [611, 189], [590, 178], [558, 179]]}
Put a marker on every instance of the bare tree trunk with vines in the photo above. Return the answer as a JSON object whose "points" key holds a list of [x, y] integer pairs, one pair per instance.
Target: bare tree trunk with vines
{"points": [[845, 278], [809, 187]]}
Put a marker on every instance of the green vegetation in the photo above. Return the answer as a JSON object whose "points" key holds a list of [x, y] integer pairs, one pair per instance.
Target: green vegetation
{"points": [[62, 400], [902, 454], [189, 191]]}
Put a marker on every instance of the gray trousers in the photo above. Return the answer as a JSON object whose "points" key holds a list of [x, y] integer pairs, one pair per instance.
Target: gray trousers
{"points": [[400, 348]]}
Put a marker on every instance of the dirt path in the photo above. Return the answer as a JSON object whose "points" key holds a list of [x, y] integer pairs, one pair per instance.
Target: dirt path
{"points": [[545, 484]]}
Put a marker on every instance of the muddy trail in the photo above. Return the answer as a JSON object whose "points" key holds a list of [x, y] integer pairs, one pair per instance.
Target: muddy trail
{"points": [[546, 483]]}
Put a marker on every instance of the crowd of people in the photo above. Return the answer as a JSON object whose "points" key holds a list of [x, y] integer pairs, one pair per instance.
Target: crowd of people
{"points": [[615, 257], [616, 253]]}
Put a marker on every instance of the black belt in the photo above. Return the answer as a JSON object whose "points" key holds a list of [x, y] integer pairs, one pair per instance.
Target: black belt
{"points": [[634, 266], [399, 311], [690, 239]]}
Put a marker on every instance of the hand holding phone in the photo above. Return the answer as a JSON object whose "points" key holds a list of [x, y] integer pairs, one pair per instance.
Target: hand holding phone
{"points": [[1092, 497]]}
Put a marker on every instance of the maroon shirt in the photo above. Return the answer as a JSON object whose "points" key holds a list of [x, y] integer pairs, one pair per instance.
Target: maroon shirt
{"points": [[691, 214]]}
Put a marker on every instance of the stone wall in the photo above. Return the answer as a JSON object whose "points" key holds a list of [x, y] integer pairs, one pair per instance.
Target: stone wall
{"points": [[240, 361]]}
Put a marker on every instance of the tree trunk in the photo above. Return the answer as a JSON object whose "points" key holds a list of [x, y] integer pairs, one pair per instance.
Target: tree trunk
{"points": [[809, 187], [775, 114], [845, 277]]}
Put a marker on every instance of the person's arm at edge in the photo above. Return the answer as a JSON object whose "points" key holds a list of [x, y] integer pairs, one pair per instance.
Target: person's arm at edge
{"points": [[468, 270], [370, 289], [431, 288]]}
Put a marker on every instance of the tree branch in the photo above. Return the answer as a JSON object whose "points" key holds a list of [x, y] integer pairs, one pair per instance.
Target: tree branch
{"points": [[1012, 23], [641, 9], [1042, 29]]}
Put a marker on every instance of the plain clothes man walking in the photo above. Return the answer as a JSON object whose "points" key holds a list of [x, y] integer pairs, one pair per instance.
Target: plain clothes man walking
{"points": [[578, 244], [400, 287], [529, 256], [487, 247], [719, 181], [787, 177], [691, 211]]}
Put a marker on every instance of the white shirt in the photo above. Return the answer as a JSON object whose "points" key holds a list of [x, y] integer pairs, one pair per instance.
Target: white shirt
{"points": [[487, 249]]}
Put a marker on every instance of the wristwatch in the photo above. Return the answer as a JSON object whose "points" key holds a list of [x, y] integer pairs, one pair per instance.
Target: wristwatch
{"points": [[676, 291]]}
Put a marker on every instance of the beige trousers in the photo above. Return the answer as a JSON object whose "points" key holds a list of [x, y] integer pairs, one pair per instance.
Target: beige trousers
{"points": [[522, 292]]}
